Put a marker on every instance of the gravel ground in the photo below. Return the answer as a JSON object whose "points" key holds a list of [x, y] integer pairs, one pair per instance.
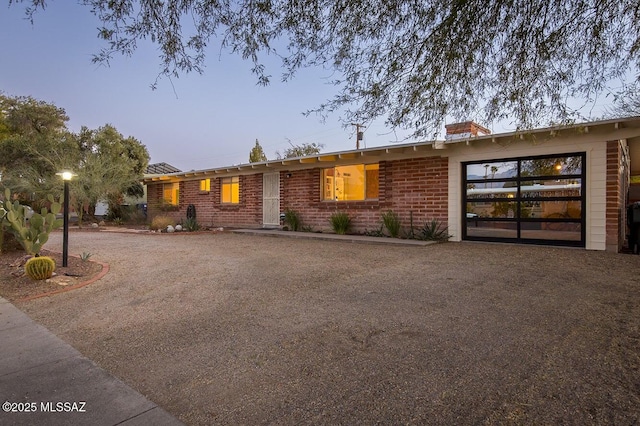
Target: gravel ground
{"points": [[238, 329]]}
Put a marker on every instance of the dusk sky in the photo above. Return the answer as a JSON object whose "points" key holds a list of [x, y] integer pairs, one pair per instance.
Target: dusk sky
{"points": [[193, 122]]}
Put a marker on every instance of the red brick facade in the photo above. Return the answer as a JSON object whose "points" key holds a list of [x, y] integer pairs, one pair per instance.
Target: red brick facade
{"points": [[466, 128], [210, 212], [414, 187], [616, 196], [413, 181]]}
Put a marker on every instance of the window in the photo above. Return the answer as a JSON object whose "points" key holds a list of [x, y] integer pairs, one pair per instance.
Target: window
{"points": [[171, 193], [350, 183], [205, 185], [230, 190]]}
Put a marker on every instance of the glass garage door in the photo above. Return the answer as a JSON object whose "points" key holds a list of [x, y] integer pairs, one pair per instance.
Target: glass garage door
{"points": [[537, 200]]}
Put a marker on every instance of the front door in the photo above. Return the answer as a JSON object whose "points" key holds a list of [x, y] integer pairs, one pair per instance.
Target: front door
{"points": [[271, 199]]}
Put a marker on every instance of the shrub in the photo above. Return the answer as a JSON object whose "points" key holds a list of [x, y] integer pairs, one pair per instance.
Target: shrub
{"points": [[292, 219], [191, 225], [434, 231], [161, 222], [126, 213], [391, 221], [374, 232], [340, 222]]}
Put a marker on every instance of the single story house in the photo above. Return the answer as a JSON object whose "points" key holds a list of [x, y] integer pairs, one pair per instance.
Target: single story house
{"points": [[565, 185]]}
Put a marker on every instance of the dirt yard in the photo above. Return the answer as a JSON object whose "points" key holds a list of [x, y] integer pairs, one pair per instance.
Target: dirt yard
{"points": [[16, 286], [238, 329]]}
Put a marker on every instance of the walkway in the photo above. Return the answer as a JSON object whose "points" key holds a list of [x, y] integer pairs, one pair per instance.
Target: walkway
{"points": [[43, 380], [362, 239]]}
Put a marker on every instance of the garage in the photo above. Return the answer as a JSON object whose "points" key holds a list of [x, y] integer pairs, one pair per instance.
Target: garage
{"points": [[537, 200]]}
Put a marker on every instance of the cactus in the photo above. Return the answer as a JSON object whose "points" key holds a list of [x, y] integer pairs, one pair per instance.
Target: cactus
{"points": [[40, 268], [34, 235], [3, 224]]}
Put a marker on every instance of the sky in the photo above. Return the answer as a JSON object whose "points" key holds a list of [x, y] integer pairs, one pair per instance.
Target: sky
{"points": [[193, 122]]}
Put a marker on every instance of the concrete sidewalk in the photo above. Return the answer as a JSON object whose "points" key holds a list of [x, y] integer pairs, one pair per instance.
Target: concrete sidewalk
{"points": [[43, 380]]}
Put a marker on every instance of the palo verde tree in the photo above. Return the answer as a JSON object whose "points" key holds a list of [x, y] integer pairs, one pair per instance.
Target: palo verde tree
{"points": [[413, 62], [257, 154]]}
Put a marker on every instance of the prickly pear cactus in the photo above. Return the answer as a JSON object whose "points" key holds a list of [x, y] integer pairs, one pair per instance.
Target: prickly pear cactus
{"points": [[40, 268], [35, 234]]}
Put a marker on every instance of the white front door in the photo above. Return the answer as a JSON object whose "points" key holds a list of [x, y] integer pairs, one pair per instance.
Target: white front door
{"points": [[271, 199]]}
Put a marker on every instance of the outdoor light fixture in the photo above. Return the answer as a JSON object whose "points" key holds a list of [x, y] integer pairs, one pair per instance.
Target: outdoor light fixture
{"points": [[66, 177]]}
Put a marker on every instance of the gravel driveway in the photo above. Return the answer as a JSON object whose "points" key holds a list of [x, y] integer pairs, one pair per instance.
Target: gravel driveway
{"points": [[238, 329]]}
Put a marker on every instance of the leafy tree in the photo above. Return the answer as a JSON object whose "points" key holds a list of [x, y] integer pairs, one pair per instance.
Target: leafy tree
{"points": [[30, 117], [414, 62], [302, 150], [110, 166], [257, 155], [35, 144]]}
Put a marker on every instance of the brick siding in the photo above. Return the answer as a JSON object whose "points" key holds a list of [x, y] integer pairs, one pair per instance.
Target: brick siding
{"points": [[615, 197], [415, 188], [210, 212]]}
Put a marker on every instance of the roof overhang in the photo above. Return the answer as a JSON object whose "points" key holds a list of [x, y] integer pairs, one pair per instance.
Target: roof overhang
{"points": [[622, 128]]}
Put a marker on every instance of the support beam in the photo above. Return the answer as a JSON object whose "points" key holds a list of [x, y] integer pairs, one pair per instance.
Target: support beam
{"points": [[347, 156]]}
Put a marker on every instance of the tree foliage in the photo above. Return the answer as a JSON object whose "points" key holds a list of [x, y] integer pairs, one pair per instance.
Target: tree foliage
{"points": [[35, 144], [627, 103], [257, 154], [302, 150], [110, 165], [414, 62]]}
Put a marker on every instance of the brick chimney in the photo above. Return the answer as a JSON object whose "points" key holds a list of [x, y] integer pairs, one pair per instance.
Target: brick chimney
{"points": [[465, 130]]}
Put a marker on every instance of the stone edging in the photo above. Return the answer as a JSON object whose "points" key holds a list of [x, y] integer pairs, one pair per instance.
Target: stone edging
{"points": [[99, 275]]}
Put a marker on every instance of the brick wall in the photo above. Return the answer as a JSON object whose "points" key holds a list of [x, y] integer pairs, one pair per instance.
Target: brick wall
{"points": [[469, 128], [210, 212], [415, 187], [419, 186], [615, 197]]}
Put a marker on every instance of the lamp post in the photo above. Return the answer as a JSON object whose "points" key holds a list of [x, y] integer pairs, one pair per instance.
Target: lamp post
{"points": [[66, 177]]}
